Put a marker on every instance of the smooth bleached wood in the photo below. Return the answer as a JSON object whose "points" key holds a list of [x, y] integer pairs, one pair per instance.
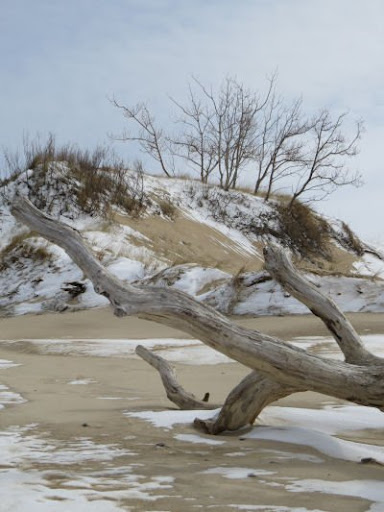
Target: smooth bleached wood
{"points": [[245, 402], [281, 269], [280, 363], [175, 392]]}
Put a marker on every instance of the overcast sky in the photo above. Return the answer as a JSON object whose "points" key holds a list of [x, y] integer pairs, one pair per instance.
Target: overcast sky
{"points": [[61, 60]]}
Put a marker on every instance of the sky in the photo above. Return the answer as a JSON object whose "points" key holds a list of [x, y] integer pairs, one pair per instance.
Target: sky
{"points": [[61, 62]]}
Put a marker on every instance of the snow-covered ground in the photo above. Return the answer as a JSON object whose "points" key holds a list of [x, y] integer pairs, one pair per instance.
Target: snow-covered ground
{"points": [[34, 284], [186, 351], [316, 429], [40, 473], [177, 350], [25, 490]]}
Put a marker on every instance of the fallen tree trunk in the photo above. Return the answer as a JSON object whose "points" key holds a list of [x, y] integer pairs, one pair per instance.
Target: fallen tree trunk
{"points": [[241, 408], [279, 368], [245, 402]]}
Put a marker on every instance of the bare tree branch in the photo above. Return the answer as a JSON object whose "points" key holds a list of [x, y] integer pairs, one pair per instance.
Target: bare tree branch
{"points": [[151, 139], [175, 392], [219, 129], [245, 402], [281, 269], [281, 362], [323, 164]]}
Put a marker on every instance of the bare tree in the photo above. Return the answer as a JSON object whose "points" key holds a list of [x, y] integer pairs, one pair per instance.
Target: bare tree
{"points": [[220, 129], [278, 368], [219, 133], [236, 117], [215, 131], [195, 143], [151, 139], [280, 141], [322, 161]]}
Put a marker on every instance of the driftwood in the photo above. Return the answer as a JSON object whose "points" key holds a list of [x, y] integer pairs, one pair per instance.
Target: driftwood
{"points": [[278, 368], [175, 392]]}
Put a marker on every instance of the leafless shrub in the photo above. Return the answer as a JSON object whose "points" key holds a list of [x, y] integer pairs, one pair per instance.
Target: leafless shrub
{"points": [[302, 230], [218, 202], [322, 159], [151, 139]]}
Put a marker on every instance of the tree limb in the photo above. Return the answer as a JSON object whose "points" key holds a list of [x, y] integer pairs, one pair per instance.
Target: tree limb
{"points": [[280, 267], [288, 365], [245, 402], [175, 392]]}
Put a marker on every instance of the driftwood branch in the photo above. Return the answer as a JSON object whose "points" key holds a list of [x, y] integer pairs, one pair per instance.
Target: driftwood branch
{"points": [[280, 267], [175, 392], [276, 363], [245, 402], [242, 406]]}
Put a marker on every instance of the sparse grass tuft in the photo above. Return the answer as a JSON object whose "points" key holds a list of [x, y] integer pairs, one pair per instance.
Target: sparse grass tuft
{"points": [[245, 189], [15, 242], [97, 179], [238, 278], [21, 246], [351, 240], [167, 208]]}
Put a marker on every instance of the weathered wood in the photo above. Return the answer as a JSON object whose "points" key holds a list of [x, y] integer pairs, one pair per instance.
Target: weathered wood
{"points": [[280, 362], [175, 392], [280, 267], [245, 402], [242, 406]]}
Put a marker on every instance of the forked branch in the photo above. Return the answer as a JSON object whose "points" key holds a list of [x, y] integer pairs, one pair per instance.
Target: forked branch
{"points": [[280, 362], [280, 267]]}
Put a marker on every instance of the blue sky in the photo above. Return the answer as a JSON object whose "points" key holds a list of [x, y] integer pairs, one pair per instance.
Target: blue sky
{"points": [[61, 60]]}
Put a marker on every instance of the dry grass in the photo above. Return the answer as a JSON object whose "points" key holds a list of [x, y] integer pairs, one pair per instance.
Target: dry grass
{"points": [[246, 190], [97, 179], [15, 242], [303, 231], [21, 246], [352, 241], [167, 208], [238, 278]]}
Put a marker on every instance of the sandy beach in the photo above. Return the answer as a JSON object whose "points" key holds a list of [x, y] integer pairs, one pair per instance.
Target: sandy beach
{"points": [[73, 437]]}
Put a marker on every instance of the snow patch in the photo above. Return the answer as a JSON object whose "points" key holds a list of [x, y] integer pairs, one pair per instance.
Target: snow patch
{"points": [[18, 445], [369, 266], [81, 382], [372, 490], [193, 438], [5, 363], [330, 420], [273, 508], [324, 443], [186, 351], [80, 495], [168, 419], [313, 428], [8, 397], [237, 473]]}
